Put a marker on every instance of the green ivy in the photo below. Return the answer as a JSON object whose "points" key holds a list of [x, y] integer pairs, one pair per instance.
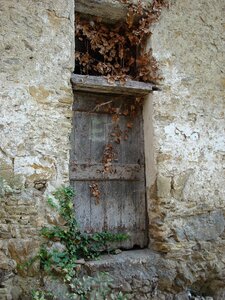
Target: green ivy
{"points": [[76, 245], [85, 288]]}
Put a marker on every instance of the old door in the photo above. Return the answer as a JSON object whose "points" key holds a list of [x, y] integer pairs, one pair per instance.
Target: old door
{"points": [[107, 166]]}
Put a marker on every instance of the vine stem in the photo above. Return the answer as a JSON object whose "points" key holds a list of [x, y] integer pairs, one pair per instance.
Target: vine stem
{"points": [[102, 104]]}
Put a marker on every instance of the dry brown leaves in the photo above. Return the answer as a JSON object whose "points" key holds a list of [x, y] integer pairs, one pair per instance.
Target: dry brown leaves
{"points": [[108, 157], [94, 189], [118, 51]]}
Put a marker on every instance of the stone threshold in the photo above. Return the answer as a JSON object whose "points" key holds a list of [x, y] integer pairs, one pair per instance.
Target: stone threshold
{"points": [[123, 259], [132, 271]]}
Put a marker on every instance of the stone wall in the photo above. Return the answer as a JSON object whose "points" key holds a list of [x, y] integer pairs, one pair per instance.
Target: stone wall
{"points": [[184, 130], [186, 197], [37, 46]]}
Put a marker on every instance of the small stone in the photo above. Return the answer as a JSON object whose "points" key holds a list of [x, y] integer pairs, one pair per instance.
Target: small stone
{"points": [[16, 292], [136, 283], [182, 296], [118, 251], [163, 186], [220, 294], [22, 250], [126, 287], [4, 231], [57, 246], [40, 185], [146, 289], [4, 294], [80, 261], [4, 275], [179, 182]]}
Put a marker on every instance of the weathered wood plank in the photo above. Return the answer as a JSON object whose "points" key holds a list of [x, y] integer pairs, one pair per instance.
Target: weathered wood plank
{"points": [[130, 172], [82, 205], [117, 210], [99, 84]]}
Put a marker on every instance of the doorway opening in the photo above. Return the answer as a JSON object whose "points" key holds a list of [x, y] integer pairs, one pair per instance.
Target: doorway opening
{"points": [[107, 170]]}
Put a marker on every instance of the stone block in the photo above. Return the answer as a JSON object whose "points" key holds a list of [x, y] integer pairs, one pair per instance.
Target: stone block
{"points": [[202, 227], [4, 294], [23, 250], [4, 231], [58, 288], [5, 162], [40, 94], [146, 289], [6, 264], [10, 182], [136, 283], [126, 287], [28, 232], [182, 296], [163, 186], [220, 294], [5, 189], [16, 292], [178, 184], [35, 168]]}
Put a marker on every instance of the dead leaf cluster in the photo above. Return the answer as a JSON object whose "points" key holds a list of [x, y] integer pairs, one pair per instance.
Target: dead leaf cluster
{"points": [[118, 51], [108, 156], [129, 109], [94, 189]]}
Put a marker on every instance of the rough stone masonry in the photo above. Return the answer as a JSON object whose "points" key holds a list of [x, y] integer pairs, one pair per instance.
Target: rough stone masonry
{"points": [[184, 130]]}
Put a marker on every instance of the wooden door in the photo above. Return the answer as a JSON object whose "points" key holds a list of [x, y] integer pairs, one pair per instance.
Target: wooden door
{"points": [[107, 166]]}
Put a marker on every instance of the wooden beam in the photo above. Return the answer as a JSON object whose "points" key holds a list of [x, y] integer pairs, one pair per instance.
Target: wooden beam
{"points": [[133, 172], [99, 84]]}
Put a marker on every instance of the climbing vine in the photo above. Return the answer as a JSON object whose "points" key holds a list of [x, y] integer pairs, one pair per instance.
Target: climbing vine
{"points": [[65, 245], [118, 51], [76, 244]]}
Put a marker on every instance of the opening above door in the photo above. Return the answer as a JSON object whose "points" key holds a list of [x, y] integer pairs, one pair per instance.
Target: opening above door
{"points": [[116, 51]]}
